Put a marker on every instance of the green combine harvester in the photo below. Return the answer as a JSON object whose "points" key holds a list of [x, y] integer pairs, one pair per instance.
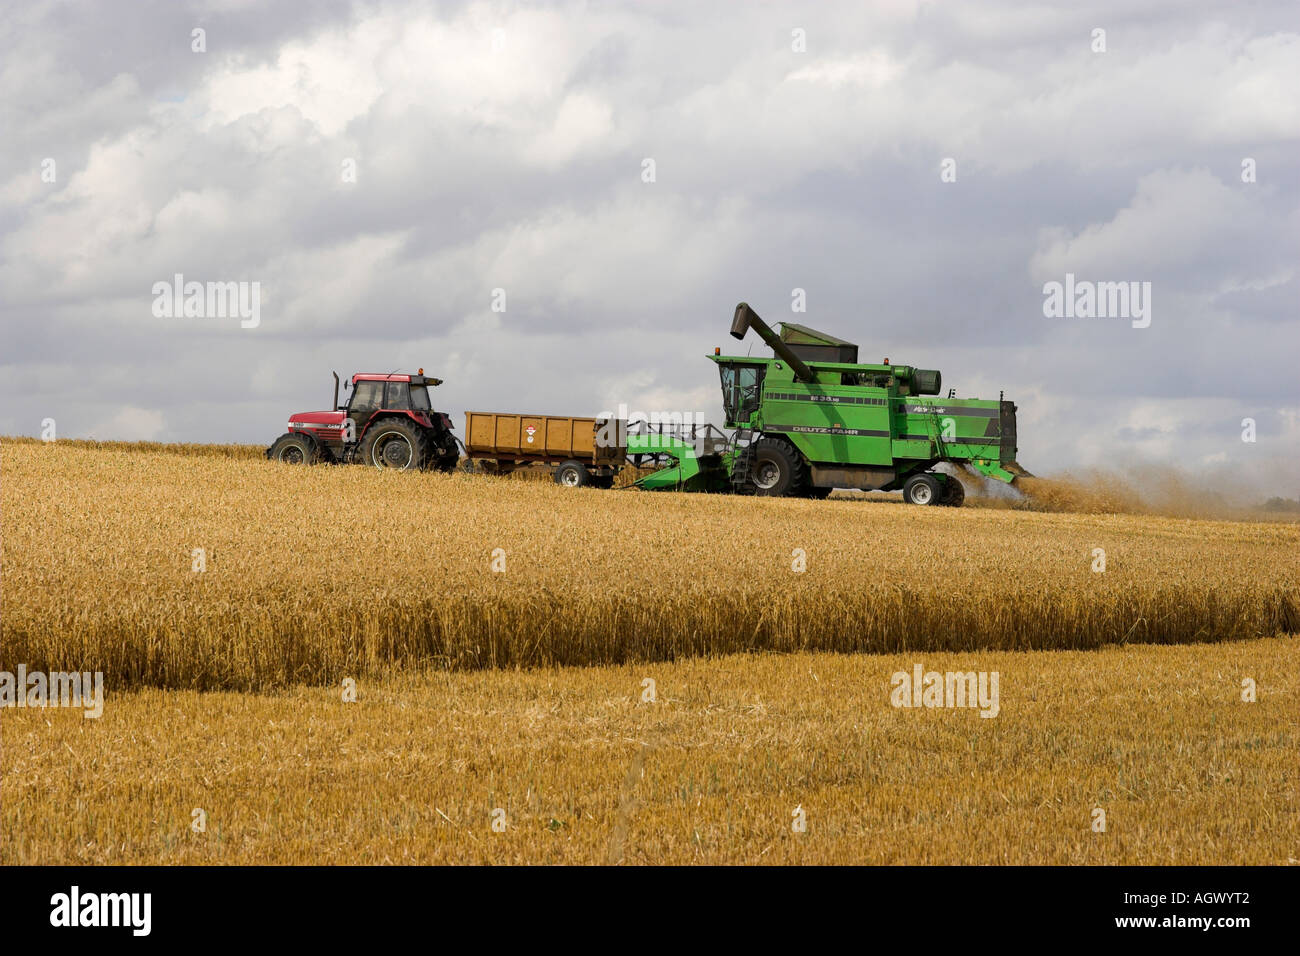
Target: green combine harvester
{"points": [[812, 418]]}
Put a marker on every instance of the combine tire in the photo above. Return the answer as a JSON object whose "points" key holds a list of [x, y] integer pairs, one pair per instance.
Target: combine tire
{"points": [[777, 469], [295, 448], [395, 443], [817, 493], [953, 493], [922, 489], [572, 474]]}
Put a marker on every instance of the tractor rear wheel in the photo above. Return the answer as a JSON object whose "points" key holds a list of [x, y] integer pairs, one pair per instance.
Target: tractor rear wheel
{"points": [[572, 474], [922, 489], [295, 448], [777, 469], [395, 443]]}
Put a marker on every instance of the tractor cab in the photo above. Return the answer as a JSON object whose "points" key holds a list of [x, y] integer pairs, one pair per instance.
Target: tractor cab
{"points": [[372, 393]]}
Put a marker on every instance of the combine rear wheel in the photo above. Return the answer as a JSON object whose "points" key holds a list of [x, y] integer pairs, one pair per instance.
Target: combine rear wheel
{"points": [[953, 493], [295, 448], [396, 443], [922, 489]]}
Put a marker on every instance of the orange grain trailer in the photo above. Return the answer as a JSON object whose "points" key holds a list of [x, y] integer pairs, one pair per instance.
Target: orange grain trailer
{"points": [[510, 440]]}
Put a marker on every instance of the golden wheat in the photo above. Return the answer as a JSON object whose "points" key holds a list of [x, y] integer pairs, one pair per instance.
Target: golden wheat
{"points": [[311, 573]]}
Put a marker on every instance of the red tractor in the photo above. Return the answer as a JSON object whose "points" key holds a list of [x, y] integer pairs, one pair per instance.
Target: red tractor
{"points": [[387, 422]]}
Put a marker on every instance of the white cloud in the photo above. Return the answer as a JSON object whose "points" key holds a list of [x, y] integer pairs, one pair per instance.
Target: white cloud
{"points": [[130, 424]]}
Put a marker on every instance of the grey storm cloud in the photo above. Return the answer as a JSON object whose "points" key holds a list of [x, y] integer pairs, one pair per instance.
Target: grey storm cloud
{"points": [[502, 146]]}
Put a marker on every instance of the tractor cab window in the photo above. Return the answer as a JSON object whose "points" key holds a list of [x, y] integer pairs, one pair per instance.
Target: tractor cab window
{"points": [[420, 398], [399, 395], [741, 385], [367, 395]]}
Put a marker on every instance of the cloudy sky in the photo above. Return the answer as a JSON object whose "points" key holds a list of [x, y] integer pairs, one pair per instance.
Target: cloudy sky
{"points": [[381, 168]]}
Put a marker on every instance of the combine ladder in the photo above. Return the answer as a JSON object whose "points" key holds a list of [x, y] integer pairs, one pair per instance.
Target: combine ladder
{"points": [[742, 461]]}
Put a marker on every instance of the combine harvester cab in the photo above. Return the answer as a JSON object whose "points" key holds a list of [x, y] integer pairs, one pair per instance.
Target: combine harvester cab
{"points": [[388, 422], [813, 418]]}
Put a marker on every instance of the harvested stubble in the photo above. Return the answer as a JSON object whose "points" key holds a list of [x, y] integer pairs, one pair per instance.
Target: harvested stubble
{"points": [[314, 574], [587, 772]]}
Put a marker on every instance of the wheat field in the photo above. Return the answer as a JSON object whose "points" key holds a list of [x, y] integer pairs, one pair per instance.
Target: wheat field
{"points": [[517, 695], [310, 574]]}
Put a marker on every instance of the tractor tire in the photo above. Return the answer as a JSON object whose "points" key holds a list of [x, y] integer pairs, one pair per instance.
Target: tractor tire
{"points": [[922, 489], [295, 448], [777, 470], [572, 474], [396, 443], [953, 493]]}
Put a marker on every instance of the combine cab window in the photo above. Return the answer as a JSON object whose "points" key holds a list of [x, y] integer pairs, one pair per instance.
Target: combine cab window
{"points": [[399, 395], [741, 385]]}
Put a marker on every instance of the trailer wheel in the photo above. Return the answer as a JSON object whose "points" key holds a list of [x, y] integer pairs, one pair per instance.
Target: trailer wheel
{"points": [[922, 489], [777, 469], [572, 474], [295, 448], [394, 443]]}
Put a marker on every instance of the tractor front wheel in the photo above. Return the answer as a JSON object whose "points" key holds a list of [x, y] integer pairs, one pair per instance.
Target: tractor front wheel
{"points": [[922, 489], [295, 448], [396, 443], [777, 469]]}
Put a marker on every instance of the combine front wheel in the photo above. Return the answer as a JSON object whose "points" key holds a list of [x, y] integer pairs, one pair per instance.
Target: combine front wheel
{"points": [[777, 469]]}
